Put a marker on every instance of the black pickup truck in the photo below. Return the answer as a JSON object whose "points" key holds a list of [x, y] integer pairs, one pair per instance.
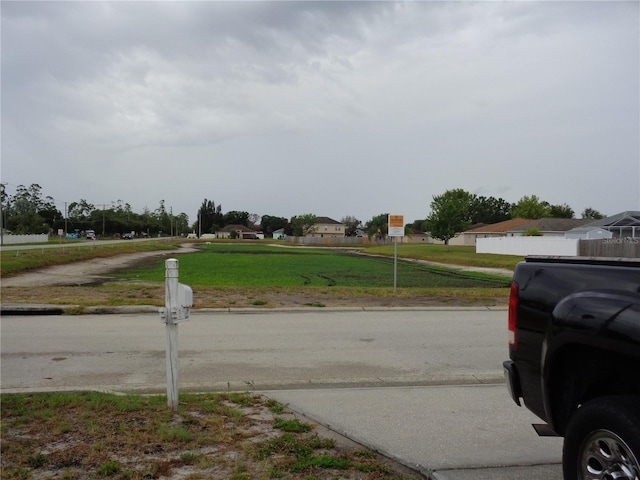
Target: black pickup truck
{"points": [[574, 348]]}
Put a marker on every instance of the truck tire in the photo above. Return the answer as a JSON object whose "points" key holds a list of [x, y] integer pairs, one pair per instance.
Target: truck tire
{"points": [[602, 440]]}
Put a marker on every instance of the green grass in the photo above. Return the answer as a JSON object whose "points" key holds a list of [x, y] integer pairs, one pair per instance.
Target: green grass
{"points": [[266, 266], [452, 255]]}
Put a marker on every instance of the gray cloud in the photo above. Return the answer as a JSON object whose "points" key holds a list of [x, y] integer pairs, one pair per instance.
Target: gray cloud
{"points": [[334, 108]]}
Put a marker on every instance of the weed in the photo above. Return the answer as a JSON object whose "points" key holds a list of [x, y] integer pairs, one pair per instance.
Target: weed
{"points": [[176, 434], [110, 468], [190, 458], [290, 444], [292, 425], [39, 460], [365, 453], [259, 302], [276, 407], [315, 304], [324, 461]]}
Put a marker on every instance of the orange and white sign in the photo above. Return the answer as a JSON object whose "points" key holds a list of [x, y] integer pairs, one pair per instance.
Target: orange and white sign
{"points": [[396, 225]]}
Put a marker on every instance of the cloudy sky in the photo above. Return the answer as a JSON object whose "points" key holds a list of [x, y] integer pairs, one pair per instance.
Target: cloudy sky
{"points": [[332, 108]]}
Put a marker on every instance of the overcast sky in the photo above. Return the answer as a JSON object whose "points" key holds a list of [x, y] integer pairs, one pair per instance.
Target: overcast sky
{"points": [[331, 108]]}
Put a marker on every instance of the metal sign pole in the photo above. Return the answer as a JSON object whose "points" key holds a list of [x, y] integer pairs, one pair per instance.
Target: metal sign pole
{"points": [[395, 263], [396, 229]]}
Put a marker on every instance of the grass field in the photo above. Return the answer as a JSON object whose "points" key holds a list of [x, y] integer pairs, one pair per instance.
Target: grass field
{"points": [[453, 255], [264, 265], [256, 274]]}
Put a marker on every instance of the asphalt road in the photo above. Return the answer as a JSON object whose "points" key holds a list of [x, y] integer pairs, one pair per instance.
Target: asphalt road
{"points": [[423, 386]]}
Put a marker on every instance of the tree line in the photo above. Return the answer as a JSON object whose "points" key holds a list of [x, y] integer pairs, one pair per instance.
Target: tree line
{"points": [[29, 211], [456, 210]]}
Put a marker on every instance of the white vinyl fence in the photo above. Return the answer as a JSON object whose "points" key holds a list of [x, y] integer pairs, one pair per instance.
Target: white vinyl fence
{"points": [[20, 239], [552, 246]]}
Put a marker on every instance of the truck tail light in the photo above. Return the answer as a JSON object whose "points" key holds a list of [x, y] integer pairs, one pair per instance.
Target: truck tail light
{"points": [[514, 297]]}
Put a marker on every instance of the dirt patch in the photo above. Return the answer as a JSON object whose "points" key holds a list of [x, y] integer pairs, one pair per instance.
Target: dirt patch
{"points": [[91, 271]]}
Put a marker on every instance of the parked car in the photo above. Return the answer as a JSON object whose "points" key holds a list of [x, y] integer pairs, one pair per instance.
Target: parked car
{"points": [[127, 236]]}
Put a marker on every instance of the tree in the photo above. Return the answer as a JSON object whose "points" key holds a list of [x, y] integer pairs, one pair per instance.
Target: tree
{"points": [[236, 218], [80, 213], [254, 221], [592, 214], [351, 225], [489, 210], [270, 224], [210, 217], [417, 226], [561, 211], [378, 226], [182, 224], [304, 224], [27, 212], [450, 214], [530, 207]]}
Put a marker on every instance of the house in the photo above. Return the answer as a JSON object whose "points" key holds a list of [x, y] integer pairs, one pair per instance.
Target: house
{"points": [[518, 227], [326, 227], [241, 232], [415, 236], [279, 234], [549, 227], [500, 229], [623, 225]]}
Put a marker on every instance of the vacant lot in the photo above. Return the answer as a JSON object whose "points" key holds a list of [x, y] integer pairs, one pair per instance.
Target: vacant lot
{"points": [[258, 275]]}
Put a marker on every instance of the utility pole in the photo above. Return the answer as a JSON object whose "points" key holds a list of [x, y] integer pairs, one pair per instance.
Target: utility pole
{"points": [[1, 214], [103, 219]]}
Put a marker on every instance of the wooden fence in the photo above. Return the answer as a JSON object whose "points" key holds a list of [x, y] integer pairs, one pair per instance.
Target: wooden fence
{"points": [[610, 247]]}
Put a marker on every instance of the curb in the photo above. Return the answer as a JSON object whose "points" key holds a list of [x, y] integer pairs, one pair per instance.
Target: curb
{"points": [[49, 309]]}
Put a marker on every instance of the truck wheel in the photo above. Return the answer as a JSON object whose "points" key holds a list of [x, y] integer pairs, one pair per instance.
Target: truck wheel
{"points": [[602, 441]]}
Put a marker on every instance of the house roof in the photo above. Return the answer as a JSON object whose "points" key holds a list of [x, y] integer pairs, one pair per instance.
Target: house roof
{"points": [[623, 219], [552, 224], [501, 227], [237, 228], [327, 221]]}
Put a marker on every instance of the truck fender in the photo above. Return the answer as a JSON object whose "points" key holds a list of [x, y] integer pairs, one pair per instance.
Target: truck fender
{"points": [[595, 333]]}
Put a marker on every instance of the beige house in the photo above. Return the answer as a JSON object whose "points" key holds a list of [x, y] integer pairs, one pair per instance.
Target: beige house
{"points": [[326, 227], [500, 229], [241, 232]]}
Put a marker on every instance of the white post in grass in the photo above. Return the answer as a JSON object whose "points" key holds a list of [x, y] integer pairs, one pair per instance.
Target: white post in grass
{"points": [[178, 299]]}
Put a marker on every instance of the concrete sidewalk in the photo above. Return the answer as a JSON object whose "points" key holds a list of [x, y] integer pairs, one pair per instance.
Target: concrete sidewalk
{"points": [[471, 432]]}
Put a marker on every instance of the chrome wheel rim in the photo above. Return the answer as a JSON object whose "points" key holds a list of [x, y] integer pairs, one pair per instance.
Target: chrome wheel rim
{"points": [[605, 456]]}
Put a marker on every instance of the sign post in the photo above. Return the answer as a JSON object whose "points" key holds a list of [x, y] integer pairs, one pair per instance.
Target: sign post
{"points": [[178, 299], [396, 229]]}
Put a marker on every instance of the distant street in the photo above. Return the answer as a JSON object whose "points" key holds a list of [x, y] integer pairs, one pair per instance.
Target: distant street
{"points": [[79, 244]]}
